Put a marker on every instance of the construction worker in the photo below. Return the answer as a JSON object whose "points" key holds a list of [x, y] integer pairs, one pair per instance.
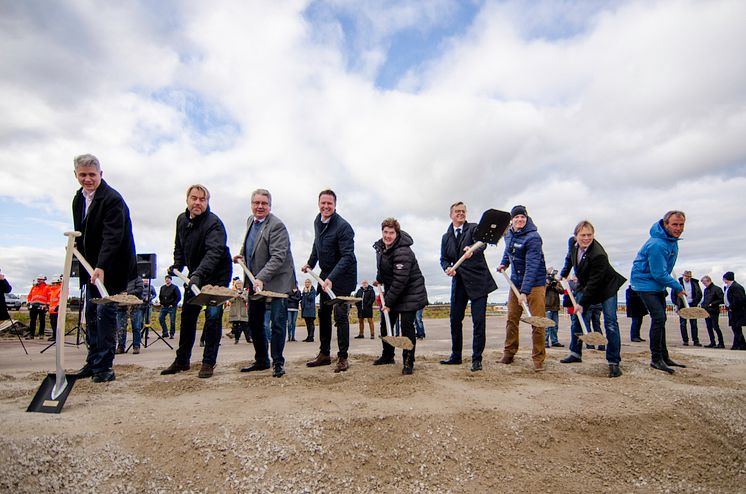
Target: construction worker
{"points": [[38, 303], [54, 305]]}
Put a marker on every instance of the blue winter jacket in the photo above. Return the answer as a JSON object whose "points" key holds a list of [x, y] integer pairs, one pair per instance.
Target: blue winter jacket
{"points": [[651, 269], [523, 249]]}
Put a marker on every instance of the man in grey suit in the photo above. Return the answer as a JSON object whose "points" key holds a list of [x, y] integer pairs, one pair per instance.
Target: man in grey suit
{"points": [[266, 249]]}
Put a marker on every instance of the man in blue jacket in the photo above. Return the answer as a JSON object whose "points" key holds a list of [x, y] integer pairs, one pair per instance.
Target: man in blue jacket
{"points": [[334, 250], [651, 275], [523, 250]]}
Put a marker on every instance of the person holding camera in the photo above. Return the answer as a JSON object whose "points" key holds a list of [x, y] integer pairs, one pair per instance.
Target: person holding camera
{"points": [[552, 303]]}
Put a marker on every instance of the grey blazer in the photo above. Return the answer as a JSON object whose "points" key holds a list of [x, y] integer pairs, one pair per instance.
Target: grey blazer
{"points": [[272, 258]]}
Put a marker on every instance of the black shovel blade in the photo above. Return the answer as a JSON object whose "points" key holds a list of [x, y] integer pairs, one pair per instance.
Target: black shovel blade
{"points": [[210, 299], [43, 401], [492, 226]]}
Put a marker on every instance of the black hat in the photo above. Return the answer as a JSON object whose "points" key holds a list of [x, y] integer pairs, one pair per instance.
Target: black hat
{"points": [[518, 210], [729, 276]]}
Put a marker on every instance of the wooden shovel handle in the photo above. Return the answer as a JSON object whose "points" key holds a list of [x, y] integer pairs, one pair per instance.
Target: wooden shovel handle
{"points": [[321, 282], [89, 268], [385, 314], [182, 277], [579, 314], [478, 244], [516, 292]]}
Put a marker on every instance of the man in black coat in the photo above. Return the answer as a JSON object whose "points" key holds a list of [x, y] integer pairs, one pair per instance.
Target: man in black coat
{"points": [[712, 299], [693, 297], [103, 218], [169, 297], [5, 288], [365, 308], [735, 300], [201, 246], [334, 250], [471, 282]]}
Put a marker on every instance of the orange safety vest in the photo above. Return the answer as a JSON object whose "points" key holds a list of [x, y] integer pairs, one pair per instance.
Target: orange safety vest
{"points": [[39, 294], [54, 298]]}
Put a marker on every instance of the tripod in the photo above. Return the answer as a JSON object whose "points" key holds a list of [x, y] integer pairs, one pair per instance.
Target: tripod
{"points": [[147, 327], [78, 328]]}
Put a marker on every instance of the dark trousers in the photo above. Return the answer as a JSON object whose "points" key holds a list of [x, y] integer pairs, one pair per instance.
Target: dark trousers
{"points": [[459, 300], [341, 321], [171, 313], [310, 326], [738, 341], [101, 332], [34, 314], [407, 329], [695, 330], [634, 329], [655, 302], [212, 331], [239, 328], [713, 327], [53, 325], [278, 310]]}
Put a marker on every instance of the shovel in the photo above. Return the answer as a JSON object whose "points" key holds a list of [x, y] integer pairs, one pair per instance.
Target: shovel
{"points": [[688, 312], [396, 341], [264, 293], [538, 321], [105, 297], [490, 230], [54, 390], [209, 295], [334, 299], [589, 338]]}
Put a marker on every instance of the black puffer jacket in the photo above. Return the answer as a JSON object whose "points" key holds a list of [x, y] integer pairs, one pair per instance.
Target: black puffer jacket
{"points": [[400, 274], [201, 246]]}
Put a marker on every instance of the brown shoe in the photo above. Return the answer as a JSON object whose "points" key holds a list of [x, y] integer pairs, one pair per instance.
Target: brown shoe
{"points": [[539, 367], [174, 368], [342, 365], [205, 370], [507, 359], [320, 360], [135, 350]]}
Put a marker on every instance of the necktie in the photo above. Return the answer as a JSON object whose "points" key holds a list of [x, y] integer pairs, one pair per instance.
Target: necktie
{"points": [[458, 232]]}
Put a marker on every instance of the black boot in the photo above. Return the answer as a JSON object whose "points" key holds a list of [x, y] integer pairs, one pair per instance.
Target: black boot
{"points": [[661, 365]]}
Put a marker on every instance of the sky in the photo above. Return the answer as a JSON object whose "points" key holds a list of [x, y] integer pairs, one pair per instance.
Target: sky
{"points": [[610, 111]]}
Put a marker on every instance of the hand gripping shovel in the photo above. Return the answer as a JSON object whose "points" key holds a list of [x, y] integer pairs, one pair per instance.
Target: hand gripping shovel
{"points": [[209, 295], [54, 390], [396, 341], [589, 338], [121, 299], [334, 299], [538, 321], [490, 230], [688, 312], [264, 293]]}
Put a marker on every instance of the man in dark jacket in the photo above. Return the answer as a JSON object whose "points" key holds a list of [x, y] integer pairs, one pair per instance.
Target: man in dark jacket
{"points": [[169, 297], [103, 218], [471, 282], [6, 288], [693, 297], [334, 250], [523, 250], [405, 293], [552, 303], [598, 283], [200, 245], [735, 300], [712, 299], [365, 308]]}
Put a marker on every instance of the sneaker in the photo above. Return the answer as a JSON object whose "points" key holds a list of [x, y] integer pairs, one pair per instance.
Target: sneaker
{"points": [[174, 368], [278, 370], [359, 337], [206, 370]]}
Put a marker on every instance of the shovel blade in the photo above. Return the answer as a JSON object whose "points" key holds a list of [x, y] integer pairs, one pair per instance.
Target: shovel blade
{"points": [[43, 401], [693, 313], [492, 226], [538, 321], [593, 338], [209, 299], [399, 342]]}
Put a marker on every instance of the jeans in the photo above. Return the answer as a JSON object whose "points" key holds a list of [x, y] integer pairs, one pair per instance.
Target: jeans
{"points": [[551, 338], [267, 330], [459, 300], [101, 331], [407, 329], [634, 330], [611, 325], [136, 314], [695, 330], [212, 331], [713, 327], [419, 326], [292, 319], [655, 302], [171, 313], [278, 311], [341, 321]]}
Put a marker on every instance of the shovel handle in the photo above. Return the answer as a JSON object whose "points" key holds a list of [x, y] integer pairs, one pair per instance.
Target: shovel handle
{"points": [[516, 292], [478, 244], [567, 288], [247, 271], [385, 314], [183, 278], [89, 268], [321, 282], [686, 302]]}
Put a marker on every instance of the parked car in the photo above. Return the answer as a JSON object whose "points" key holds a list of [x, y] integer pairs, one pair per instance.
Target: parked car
{"points": [[14, 302]]}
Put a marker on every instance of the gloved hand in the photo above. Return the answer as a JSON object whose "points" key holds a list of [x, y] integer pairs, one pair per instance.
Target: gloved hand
{"points": [[171, 268], [195, 280]]}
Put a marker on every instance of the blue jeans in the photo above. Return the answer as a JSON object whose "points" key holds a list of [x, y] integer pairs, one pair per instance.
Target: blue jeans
{"points": [[136, 316], [267, 330], [552, 331], [634, 329], [611, 325], [655, 302], [101, 331], [171, 312], [212, 331], [292, 319], [419, 325], [278, 311]]}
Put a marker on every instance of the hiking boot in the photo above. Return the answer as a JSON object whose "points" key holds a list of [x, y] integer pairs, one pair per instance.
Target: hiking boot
{"points": [[206, 370], [120, 349], [342, 365], [507, 359], [135, 350], [614, 370], [539, 367], [407, 370], [383, 361], [278, 370], [174, 368], [320, 360]]}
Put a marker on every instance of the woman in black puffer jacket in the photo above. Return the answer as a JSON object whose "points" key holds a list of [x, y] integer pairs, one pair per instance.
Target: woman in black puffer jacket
{"points": [[404, 286]]}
